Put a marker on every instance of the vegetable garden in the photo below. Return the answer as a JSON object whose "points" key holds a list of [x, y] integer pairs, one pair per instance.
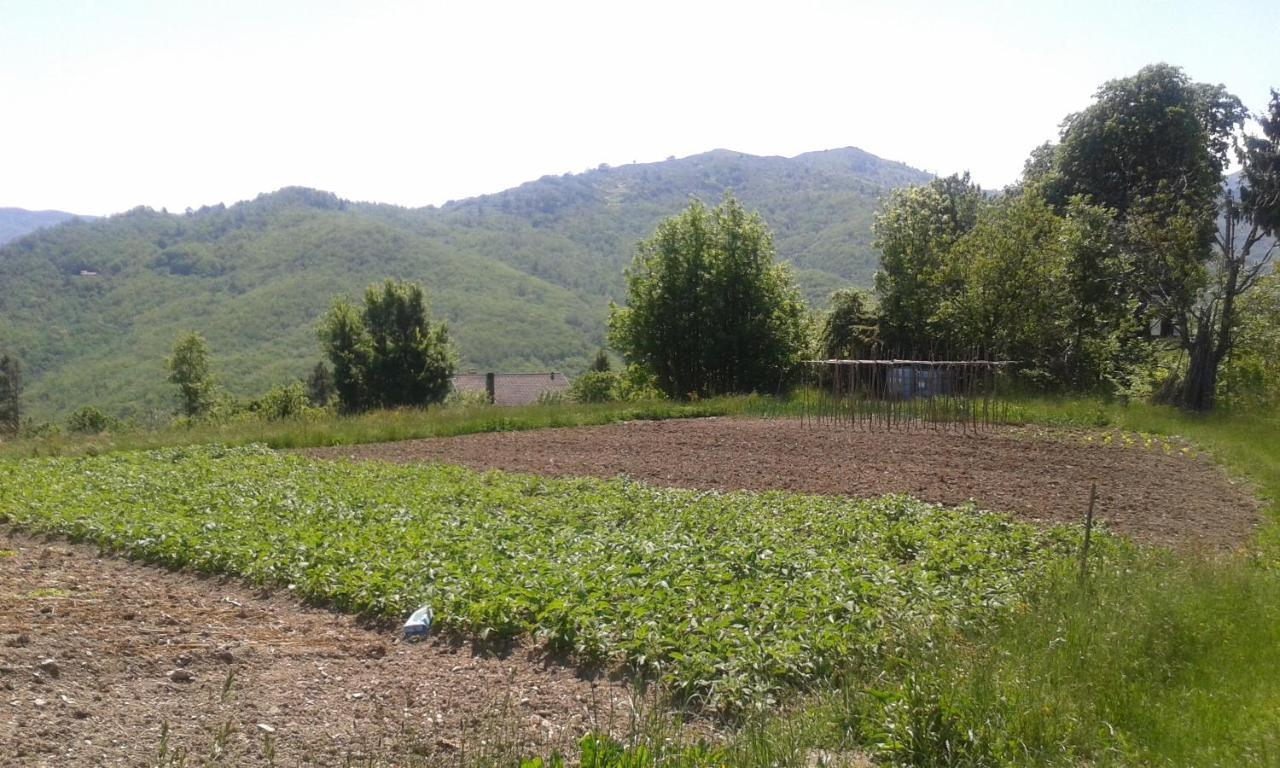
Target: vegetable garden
{"points": [[727, 598]]}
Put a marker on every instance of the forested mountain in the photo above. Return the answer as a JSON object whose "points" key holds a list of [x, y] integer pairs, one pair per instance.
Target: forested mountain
{"points": [[524, 276], [1264, 245], [819, 206], [16, 222]]}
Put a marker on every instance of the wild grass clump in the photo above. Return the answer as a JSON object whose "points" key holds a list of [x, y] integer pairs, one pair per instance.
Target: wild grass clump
{"points": [[1156, 659], [323, 428]]}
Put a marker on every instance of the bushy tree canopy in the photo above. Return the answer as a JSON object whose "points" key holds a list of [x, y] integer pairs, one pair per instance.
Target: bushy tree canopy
{"points": [[1007, 277], [1028, 290], [708, 309], [188, 368], [915, 230], [389, 353], [850, 328], [1154, 133]]}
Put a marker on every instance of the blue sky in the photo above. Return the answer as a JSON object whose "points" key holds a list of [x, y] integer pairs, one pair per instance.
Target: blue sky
{"points": [[108, 105]]}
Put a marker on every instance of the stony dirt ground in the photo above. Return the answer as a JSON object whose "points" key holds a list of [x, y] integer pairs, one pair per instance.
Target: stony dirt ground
{"points": [[1160, 493], [105, 662]]}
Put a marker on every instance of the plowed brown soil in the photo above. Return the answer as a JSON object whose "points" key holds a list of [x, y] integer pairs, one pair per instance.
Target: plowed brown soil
{"points": [[99, 657], [1164, 493]]}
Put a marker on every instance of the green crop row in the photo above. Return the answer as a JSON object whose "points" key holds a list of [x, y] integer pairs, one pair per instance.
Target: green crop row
{"points": [[727, 598]]}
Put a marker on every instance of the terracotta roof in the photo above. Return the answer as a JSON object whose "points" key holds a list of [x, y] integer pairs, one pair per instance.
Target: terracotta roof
{"points": [[513, 388]]}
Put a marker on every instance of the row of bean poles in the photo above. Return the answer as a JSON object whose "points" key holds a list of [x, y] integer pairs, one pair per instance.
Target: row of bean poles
{"points": [[904, 395]]}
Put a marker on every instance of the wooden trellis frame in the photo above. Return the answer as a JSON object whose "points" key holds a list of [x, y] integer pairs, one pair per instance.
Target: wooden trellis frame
{"points": [[905, 395]]}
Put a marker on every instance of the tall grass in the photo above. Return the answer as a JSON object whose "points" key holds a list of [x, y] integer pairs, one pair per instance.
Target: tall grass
{"points": [[1157, 660], [376, 426]]}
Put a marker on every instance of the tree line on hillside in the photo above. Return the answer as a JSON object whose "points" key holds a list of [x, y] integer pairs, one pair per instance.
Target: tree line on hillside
{"points": [[1124, 229], [388, 353], [1124, 261], [522, 292]]}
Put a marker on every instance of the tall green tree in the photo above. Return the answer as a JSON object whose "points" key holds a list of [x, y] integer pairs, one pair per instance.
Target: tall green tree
{"points": [[10, 395], [850, 329], [1102, 347], [709, 311], [1208, 327], [1028, 289], [347, 345], [1152, 148], [600, 363], [320, 386], [412, 359], [188, 368], [914, 232], [390, 353]]}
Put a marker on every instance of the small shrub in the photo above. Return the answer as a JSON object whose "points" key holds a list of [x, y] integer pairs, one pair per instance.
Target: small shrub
{"points": [[633, 385], [34, 430], [284, 402], [637, 383], [596, 387], [90, 421]]}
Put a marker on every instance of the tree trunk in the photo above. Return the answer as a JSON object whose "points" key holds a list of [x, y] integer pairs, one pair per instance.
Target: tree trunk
{"points": [[1202, 370]]}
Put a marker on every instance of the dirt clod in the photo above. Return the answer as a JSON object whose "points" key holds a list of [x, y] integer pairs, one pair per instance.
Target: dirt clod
{"points": [[180, 675]]}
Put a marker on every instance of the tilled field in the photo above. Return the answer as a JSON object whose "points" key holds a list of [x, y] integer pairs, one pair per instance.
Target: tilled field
{"points": [[106, 662], [1160, 492]]}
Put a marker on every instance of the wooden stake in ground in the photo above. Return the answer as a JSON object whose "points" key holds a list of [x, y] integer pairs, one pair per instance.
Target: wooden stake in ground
{"points": [[1088, 530]]}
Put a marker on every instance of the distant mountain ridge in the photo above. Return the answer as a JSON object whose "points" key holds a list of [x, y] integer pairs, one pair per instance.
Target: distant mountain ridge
{"points": [[523, 276], [818, 204], [16, 222]]}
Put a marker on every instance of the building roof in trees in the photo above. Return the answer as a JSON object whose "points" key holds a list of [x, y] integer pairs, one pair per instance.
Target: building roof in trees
{"points": [[513, 388]]}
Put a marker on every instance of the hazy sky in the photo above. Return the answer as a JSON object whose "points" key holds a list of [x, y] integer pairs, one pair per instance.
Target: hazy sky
{"points": [[108, 105]]}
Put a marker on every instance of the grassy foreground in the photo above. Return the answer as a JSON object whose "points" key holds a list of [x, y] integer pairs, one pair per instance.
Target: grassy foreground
{"points": [[377, 426], [727, 599]]}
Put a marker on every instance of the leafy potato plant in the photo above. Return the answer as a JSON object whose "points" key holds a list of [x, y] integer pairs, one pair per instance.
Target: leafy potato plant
{"points": [[727, 598]]}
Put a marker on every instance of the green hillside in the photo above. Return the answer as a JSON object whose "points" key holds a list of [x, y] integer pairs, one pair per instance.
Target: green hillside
{"points": [[524, 277], [818, 204]]}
